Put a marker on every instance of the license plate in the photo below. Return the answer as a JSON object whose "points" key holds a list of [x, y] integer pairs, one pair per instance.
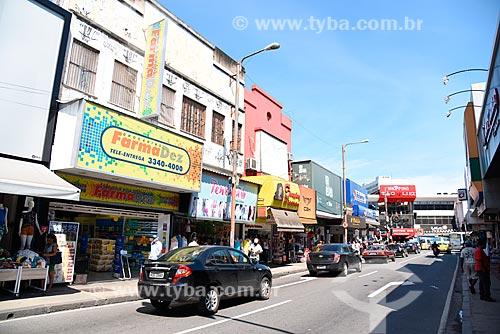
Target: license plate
{"points": [[372, 253], [321, 267], [156, 274]]}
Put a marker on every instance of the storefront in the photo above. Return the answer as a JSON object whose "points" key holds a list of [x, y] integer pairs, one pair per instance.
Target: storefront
{"points": [[358, 212], [210, 209], [277, 205], [132, 176]]}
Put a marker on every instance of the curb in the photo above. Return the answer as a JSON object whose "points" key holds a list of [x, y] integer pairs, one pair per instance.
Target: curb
{"points": [[446, 310], [466, 308], [52, 308]]}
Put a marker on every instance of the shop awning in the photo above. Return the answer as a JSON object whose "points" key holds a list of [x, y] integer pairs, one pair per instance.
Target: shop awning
{"points": [[33, 179], [308, 221], [287, 221]]}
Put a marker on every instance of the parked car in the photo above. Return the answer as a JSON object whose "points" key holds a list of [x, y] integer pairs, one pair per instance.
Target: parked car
{"points": [[379, 252], [412, 247], [398, 250], [444, 244], [334, 258], [202, 275]]}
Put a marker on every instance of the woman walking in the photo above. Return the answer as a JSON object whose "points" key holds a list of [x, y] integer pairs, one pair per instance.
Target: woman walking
{"points": [[52, 256]]}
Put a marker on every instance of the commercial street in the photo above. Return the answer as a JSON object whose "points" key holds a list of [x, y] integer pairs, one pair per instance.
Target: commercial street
{"points": [[384, 298]]}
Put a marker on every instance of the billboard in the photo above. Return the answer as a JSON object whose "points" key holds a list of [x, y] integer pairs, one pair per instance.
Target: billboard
{"points": [[307, 205], [29, 84], [95, 190], [116, 144], [356, 194], [154, 60], [213, 202], [397, 193]]}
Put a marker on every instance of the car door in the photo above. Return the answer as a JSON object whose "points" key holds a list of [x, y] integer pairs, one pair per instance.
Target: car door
{"points": [[222, 271], [247, 274]]}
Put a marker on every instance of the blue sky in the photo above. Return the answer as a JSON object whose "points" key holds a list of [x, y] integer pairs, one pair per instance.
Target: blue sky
{"points": [[340, 86]]}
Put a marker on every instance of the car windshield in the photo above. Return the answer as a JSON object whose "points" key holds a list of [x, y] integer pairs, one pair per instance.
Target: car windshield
{"points": [[393, 246], [328, 248], [376, 247], [180, 255]]}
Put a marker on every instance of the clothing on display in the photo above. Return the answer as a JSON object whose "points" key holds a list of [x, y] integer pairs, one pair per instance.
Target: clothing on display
{"points": [[4, 212]]}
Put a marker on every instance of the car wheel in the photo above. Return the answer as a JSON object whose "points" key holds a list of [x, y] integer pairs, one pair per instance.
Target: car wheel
{"points": [[209, 304], [360, 267], [393, 259], [264, 288], [345, 270], [313, 273], [160, 305], [387, 260]]}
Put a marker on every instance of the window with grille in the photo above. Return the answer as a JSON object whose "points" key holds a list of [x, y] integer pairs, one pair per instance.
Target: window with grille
{"points": [[123, 86], [218, 128], [193, 117], [167, 106], [82, 67], [239, 135]]}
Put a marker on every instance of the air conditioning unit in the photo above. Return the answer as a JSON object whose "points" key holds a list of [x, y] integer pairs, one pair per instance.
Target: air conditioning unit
{"points": [[251, 164], [290, 156]]}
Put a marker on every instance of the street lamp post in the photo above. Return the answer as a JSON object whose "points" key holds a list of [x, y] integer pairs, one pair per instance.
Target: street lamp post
{"points": [[446, 78], [234, 144], [344, 199]]}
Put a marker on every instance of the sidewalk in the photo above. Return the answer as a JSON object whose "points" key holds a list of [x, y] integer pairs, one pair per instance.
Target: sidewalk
{"points": [[93, 294], [480, 316]]}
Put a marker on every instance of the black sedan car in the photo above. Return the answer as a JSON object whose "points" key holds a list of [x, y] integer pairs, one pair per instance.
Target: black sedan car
{"points": [[412, 247], [334, 258], [398, 250], [202, 275]]}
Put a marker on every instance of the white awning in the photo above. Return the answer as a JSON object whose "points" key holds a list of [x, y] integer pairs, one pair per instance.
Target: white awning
{"points": [[32, 179]]}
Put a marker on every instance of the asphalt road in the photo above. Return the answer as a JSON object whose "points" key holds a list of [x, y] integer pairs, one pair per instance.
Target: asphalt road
{"points": [[406, 296]]}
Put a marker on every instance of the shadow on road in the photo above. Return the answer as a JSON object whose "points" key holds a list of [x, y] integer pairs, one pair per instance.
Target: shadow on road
{"points": [[178, 310]]}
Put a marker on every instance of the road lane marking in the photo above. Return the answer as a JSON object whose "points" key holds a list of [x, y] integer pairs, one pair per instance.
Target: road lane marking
{"points": [[303, 280], [388, 285], [233, 318], [364, 275], [412, 258]]}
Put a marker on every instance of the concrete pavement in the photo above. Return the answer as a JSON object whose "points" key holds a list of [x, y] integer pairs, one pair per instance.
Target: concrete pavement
{"points": [[408, 295], [95, 294]]}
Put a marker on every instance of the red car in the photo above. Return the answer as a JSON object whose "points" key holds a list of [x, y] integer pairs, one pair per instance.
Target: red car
{"points": [[379, 252]]}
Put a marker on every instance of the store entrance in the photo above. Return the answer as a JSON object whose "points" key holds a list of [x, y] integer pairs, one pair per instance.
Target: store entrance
{"points": [[103, 234]]}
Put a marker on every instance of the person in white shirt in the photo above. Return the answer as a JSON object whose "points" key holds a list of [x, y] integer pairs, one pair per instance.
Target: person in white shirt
{"points": [[467, 265], [194, 241], [255, 250], [156, 247]]}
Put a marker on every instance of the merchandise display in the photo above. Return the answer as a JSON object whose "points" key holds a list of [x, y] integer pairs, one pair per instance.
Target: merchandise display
{"points": [[138, 237], [102, 252]]}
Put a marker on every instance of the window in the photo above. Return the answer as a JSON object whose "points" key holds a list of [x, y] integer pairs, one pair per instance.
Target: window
{"points": [[193, 117], [167, 106], [182, 255], [238, 257], [218, 128], [220, 257], [123, 86], [82, 67], [239, 135]]}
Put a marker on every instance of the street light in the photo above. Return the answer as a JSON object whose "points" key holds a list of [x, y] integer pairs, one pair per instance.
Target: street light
{"points": [[234, 146], [446, 78], [344, 204], [448, 114], [447, 98]]}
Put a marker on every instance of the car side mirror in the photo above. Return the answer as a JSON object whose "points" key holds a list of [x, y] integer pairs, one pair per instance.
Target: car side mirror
{"points": [[254, 261]]}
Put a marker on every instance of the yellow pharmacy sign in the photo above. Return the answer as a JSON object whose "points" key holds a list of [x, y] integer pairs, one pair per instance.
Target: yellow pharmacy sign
{"points": [[116, 144]]}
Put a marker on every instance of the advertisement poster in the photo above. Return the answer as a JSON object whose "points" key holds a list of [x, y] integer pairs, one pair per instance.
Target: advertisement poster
{"points": [[154, 60], [117, 144], [214, 200], [67, 236]]}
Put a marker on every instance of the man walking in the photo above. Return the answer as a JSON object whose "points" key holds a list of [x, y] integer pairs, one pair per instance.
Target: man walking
{"points": [[467, 265], [255, 250], [482, 267]]}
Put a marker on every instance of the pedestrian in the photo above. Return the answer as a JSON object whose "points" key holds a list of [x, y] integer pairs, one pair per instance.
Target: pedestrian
{"points": [[255, 250], [482, 267], [194, 241], [467, 265], [53, 257], [156, 248]]}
